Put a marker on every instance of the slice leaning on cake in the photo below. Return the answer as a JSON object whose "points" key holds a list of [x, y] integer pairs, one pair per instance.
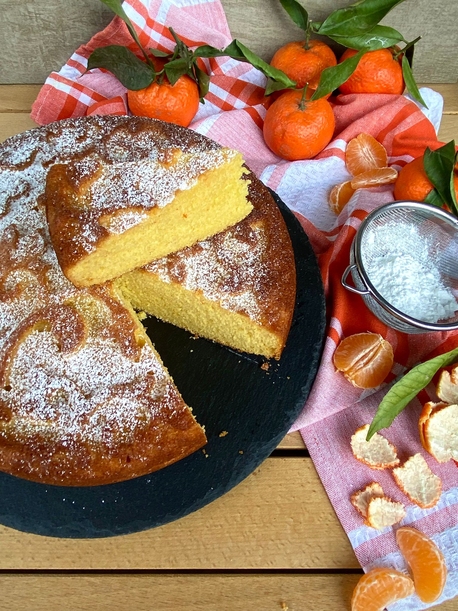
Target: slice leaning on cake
{"points": [[150, 224], [106, 219]]}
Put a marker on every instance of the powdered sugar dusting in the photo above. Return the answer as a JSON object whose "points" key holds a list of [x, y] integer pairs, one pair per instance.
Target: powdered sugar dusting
{"points": [[227, 268], [71, 372]]}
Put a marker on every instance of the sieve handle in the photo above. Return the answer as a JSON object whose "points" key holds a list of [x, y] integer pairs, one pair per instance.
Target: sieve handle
{"points": [[351, 288]]}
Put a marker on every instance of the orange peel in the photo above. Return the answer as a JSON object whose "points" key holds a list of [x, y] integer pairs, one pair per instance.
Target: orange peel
{"points": [[378, 453], [418, 482]]}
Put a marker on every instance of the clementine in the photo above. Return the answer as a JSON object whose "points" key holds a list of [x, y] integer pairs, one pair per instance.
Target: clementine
{"points": [[296, 128], [413, 183], [377, 72], [176, 103], [365, 359], [365, 153], [304, 61]]}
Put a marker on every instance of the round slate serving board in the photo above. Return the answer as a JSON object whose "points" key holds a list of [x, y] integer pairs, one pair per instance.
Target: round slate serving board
{"points": [[228, 391]]}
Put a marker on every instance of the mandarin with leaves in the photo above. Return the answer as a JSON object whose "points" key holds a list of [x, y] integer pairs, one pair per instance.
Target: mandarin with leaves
{"points": [[296, 128], [176, 103], [304, 61], [377, 72], [413, 183]]}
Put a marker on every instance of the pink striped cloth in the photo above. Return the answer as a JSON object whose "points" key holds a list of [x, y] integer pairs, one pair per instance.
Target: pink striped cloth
{"points": [[233, 116]]}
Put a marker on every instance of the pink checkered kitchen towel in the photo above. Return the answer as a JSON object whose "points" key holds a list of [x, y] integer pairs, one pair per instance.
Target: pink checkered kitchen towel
{"points": [[233, 116]]}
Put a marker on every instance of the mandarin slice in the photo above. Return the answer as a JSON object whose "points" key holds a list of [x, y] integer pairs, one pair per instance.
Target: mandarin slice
{"points": [[365, 359], [365, 153], [380, 587], [340, 196], [425, 561], [374, 178]]}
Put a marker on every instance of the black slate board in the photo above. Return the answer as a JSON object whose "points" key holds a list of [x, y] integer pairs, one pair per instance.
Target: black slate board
{"points": [[228, 391]]}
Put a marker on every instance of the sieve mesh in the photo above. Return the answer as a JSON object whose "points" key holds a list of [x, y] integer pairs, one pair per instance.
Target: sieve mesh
{"points": [[406, 255]]}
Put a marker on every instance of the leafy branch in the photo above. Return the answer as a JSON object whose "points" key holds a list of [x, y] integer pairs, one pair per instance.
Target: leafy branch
{"points": [[135, 74], [356, 27]]}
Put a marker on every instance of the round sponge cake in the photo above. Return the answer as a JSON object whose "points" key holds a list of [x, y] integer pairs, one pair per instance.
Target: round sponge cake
{"points": [[84, 397]]}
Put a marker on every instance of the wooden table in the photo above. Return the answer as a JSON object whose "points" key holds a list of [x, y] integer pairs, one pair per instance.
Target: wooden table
{"points": [[272, 543]]}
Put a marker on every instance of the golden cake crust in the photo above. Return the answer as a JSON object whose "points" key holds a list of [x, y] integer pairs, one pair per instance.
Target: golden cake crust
{"points": [[84, 398]]}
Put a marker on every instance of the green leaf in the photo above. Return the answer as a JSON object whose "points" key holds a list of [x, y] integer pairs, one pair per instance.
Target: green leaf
{"points": [[331, 78], [434, 199], [407, 388], [439, 167], [116, 7], [357, 18], [133, 73], [209, 51], [297, 13], [203, 81], [409, 80], [175, 69], [238, 50], [380, 37]]}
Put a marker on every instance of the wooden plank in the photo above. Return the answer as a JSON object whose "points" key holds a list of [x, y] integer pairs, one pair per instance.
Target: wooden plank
{"points": [[42, 35], [178, 592], [12, 123], [448, 128], [198, 592], [293, 441], [279, 517]]}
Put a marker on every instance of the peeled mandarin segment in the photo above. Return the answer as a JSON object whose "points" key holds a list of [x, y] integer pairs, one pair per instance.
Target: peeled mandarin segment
{"points": [[377, 453], [374, 178], [440, 432], [365, 359], [340, 196], [426, 562], [418, 482], [365, 153], [380, 587], [447, 386]]}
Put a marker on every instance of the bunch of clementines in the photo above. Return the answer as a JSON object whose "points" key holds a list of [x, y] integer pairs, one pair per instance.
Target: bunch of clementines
{"points": [[168, 85]]}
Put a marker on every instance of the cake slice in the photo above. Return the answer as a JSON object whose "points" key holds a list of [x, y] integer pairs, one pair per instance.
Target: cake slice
{"points": [[236, 288], [106, 219]]}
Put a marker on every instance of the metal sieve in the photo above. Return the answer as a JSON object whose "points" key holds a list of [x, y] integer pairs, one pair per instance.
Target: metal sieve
{"points": [[404, 264]]}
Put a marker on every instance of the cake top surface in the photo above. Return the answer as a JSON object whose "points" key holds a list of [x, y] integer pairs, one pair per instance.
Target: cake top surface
{"points": [[80, 383]]}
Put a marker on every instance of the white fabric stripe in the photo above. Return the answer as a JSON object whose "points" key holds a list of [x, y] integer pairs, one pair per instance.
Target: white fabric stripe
{"points": [[446, 541], [79, 95], [449, 498]]}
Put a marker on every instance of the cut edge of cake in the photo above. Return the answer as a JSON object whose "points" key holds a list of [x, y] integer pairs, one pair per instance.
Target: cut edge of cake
{"points": [[94, 213]]}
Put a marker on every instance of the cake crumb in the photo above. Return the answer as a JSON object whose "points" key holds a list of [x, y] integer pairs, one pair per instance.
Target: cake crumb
{"points": [[240, 451], [265, 366], [204, 452], [223, 434], [284, 606], [142, 315]]}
